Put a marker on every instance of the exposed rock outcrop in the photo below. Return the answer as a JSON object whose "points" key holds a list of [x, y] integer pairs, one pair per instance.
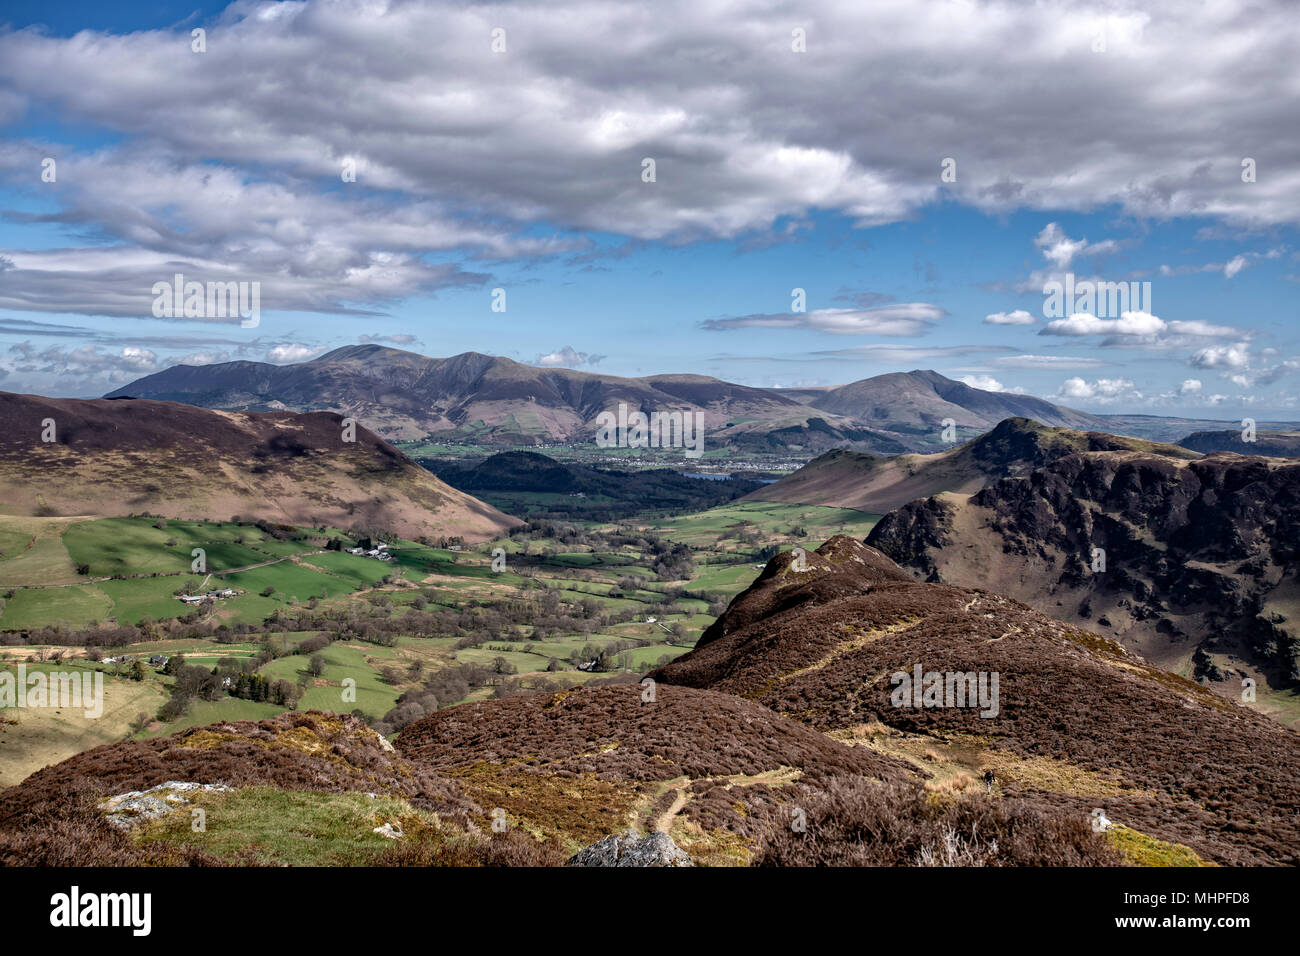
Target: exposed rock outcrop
{"points": [[627, 849]]}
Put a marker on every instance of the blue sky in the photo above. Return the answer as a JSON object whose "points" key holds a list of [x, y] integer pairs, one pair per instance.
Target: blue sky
{"points": [[1084, 140]]}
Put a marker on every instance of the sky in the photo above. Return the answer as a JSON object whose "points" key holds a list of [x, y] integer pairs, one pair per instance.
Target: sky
{"points": [[772, 193]]}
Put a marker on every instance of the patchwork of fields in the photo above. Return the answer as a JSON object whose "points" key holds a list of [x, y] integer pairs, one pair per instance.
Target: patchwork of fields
{"points": [[80, 573]]}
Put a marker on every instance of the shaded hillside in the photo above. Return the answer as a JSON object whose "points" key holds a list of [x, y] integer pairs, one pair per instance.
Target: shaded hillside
{"points": [[847, 479], [1081, 723], [1198, 554], [513, 480], [179, 461], [1272, 444]]}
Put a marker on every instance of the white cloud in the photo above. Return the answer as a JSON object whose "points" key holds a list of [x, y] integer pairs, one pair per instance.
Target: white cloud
{"points": [[902, 319], [1048, 361], [1060, 250], [1198, 329], [1102, 392], [1084, 323], [290, 352], [1233, 266], [566, 357], [1222, 356], [460, 149], [986, 382], [86, 366], [897, 354], [201, 358], [1018, 317]]}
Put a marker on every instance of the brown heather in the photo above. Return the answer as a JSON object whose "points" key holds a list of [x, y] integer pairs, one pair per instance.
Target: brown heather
{"points": [[820, 646]]}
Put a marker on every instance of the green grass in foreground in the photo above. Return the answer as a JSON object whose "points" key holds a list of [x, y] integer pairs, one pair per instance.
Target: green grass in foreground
{"points": [[291, 827], [1142, 850]]}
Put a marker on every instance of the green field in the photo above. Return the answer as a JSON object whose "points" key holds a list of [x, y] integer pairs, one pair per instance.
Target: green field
{"points": [[714, 527], [131, 572], [47, 607], [342, 661]]}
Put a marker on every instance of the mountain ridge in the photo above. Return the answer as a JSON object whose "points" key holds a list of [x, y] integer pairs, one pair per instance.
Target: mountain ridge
{"points": [[482, 399], [1196, 556], [118, 456], [1080, 722], [879, 484]]}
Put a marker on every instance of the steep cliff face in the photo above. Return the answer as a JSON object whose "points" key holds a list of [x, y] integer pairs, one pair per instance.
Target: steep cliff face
{"points": [[1166, 555], [846, 479]]}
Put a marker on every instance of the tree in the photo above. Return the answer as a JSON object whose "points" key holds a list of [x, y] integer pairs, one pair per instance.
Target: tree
{"points": [[177, 706], [268, 591], [137, 671], [316, 665]]}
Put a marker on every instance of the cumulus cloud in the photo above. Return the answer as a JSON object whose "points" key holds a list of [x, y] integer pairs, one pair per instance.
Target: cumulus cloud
{"points": [[1084, 323], [290, 352], [305, 248], [986, 382], [84, 364], [201, 358], [745, 133], [1230, 268], [1060, 250], [1140, 330], [1222, 356], [1245, 369], [567, 357], [1103, 391], [1233, 266]]}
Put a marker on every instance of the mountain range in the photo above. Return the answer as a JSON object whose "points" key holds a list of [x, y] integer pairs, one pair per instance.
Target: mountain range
{"points": [[488, 400]]}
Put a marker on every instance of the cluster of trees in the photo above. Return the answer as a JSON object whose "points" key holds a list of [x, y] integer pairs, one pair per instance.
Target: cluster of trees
{"points": [[238, 678], [446, 687], [258, 687]]}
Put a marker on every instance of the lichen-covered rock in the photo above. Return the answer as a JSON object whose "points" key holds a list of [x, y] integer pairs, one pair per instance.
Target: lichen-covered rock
{"points": [[627, 849], [128, 810]]}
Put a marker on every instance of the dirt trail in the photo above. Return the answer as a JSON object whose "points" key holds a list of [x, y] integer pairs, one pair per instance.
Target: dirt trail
{"points": [[665, 821]]}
